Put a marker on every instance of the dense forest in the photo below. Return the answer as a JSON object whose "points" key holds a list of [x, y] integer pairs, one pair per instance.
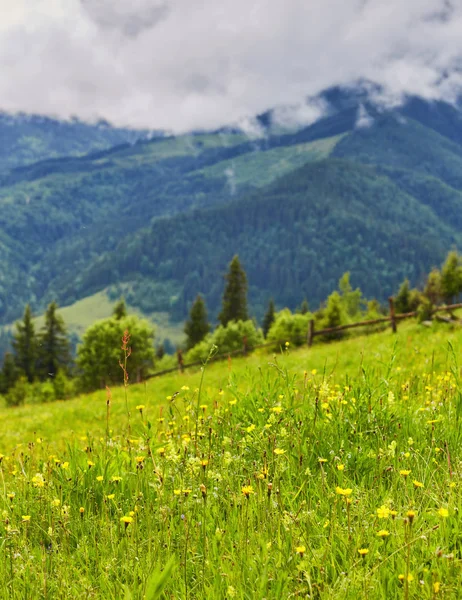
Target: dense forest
{"points": [[163, 217]]}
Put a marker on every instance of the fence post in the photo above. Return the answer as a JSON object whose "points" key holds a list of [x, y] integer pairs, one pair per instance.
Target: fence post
{"points": [[392, 314], [244, 345], [179, 355], [310, 332]]}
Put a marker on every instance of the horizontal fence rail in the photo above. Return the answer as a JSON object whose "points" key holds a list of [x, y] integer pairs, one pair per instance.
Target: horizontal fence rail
{"points": [[392, 318]]}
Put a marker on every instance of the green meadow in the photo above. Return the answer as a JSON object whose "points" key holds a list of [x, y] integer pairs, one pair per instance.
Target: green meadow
{"points": [[328, 472]]}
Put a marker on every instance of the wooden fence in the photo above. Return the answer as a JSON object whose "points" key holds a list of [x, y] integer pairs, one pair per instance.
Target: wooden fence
{"points": [[392, 318]]}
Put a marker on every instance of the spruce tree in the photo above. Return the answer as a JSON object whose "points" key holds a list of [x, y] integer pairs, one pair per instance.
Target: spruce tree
{"points": [[120, 309], [25, 345], [197, 326], [432, 288], [304, 307], [9, 374], [234, 303], [451, 277], [54, 347], [269, 317], [402, 300]]}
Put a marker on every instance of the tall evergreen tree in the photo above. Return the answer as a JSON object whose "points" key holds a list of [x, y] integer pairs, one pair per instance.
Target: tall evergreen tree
{"points": [[120, 309], [54, 348], [269, 318], [234, 303], [432, 288], [451, 277], [304, 307], [25, 345], [9, 374], [402, 300], [197, 326]]}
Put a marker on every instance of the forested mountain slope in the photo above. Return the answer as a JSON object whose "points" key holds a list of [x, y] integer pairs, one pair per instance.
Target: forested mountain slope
{"points": [[25, 139], [293, 240], [374, 191]]}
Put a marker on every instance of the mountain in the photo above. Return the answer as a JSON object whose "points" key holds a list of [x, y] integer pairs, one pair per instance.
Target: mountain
{"points": [[26, 139], [370, 189]]}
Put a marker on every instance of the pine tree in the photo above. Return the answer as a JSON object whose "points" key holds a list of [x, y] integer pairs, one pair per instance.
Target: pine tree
{"points": [[25, 345], [333, 315], [432, 288], [304, 307], [54, 351], [451, 277], [9, 374], [160, 351], [402, 300], [197, 326], [269, 318], [120, 309], [234, 303]]}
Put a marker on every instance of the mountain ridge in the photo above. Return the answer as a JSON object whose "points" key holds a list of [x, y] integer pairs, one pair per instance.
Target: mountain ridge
{"points": [[69, 224]]}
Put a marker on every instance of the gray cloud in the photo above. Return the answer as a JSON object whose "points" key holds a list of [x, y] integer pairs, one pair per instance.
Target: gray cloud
{"points": [[179, 65]]}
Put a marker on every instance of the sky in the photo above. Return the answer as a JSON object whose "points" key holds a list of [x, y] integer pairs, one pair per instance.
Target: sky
{"points": [[180, 65]]}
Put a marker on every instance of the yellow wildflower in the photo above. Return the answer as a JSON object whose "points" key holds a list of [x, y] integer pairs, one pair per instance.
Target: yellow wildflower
{"points": [[247, 490], [383, 512], [343, 492]]}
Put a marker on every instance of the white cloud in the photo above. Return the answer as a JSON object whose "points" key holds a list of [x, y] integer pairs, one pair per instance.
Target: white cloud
{"points": [[179, 65], [364, 119]]}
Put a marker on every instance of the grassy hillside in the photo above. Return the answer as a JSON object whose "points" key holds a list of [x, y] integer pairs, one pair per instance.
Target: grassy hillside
{"points": [[262, 168], [332, 472], [414, 350]]}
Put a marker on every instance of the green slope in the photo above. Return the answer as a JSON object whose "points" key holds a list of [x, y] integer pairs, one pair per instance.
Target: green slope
{"points": [[292, 239], [261, 168], [28, 139], [166, 215], [80, 315]]}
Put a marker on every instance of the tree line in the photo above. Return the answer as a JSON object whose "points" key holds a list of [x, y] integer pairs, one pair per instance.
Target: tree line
{"points": [[40, 366]]}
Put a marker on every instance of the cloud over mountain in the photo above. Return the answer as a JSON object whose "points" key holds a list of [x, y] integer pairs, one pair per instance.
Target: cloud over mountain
{"points": [[179, 65]]}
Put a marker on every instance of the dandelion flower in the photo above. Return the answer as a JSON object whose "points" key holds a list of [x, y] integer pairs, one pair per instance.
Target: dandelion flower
{"points": [[247, 490], [340, 467], [383, 533], [409, 578], [300, 550], [279, 451], [126, 520], [410, 515], [363, 551], [383, 512], [343, 492], [418, 484], [25, 518], [443, 512], [404, 472]]}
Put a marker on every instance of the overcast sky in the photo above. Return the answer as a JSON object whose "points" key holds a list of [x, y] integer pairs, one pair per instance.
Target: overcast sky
{"points": [[188, 64]]}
